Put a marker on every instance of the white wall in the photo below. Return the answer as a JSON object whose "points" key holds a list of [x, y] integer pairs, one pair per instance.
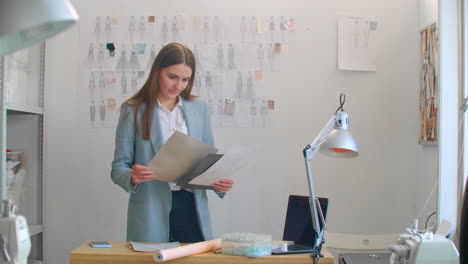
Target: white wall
{"points": [[429, 10], [428, 154], [450, 83], [373, 195]]}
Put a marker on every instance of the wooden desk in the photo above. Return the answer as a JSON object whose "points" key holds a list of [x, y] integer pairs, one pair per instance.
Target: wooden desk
{"points": [[120, 253]]}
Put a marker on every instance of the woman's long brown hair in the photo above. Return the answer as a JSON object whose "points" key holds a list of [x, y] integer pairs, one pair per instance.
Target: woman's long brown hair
{"points": [[169, 55]]}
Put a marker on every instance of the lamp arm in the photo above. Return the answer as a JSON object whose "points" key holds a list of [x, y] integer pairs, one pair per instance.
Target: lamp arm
{"points": [[315, 210], [324, 132], [313, 207], [320, 234], [321, 215]]}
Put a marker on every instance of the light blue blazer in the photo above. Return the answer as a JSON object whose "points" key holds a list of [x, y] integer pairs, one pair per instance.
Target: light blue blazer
{"points": [[150, 202]]}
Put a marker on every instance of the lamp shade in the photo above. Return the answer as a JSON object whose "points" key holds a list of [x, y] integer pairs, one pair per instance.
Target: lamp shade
{"points": [[339, 142], [26, 22]]}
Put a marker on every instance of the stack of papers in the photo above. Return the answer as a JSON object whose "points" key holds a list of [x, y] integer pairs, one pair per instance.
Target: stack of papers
{"points": [[191, 163], [182, 159]]}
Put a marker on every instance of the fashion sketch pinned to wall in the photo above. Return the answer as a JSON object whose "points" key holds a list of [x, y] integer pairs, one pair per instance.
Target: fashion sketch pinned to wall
{"points": [[164, 29], [429, 93], [356, 43], [108, 28]]}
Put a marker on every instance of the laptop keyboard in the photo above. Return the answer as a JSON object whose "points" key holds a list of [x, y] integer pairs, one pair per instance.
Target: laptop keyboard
{"points": [[297, 247]]}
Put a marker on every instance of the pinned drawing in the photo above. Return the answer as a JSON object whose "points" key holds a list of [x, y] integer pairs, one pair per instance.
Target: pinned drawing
{"points": [[142, 27], [260, 55], [92, 84], [208, 83], [249, 92], [134, 82], [220, 112], [102, 112], [253, 112], [122, 63], [264, 113], [98, 29], [271, 28], [356, 43], [132, 28], [216, 29], [92, 113], [220, 64], [231, 63], [151, 58], [238, 94], [108, 28], [206, 28], [123, 84], [91, 58], [134, 61], [253, 28], [100, 56], [429, 93], [243, 28], [164, 29]]}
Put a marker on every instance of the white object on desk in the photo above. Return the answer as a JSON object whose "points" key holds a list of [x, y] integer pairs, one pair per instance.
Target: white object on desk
{"points": [[15, 243], [426, 248], [152, 247], [284, 247], [445, 228]]}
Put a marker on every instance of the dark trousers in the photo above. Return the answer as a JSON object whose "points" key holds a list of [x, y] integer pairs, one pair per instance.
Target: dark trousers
{"points": [[184, 225]]}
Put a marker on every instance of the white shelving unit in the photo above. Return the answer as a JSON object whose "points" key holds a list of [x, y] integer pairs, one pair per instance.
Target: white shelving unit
{"points": [[21, 128]]}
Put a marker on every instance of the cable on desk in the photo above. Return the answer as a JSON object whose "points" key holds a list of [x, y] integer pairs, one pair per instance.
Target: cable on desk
{"points": [[427, 219]]}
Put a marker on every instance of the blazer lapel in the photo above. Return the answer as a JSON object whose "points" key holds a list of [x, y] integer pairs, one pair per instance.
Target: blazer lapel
{"points": [[156, 133], [188, 115]]}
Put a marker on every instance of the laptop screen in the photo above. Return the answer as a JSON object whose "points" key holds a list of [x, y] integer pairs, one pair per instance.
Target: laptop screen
{"points": [[298, 225]]}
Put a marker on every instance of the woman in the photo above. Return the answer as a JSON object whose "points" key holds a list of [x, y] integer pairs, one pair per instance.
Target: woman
{"points": [[159, 211]]}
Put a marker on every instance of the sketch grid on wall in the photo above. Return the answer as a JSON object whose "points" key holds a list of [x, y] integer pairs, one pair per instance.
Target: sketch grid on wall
{"points": [[233, 55]]}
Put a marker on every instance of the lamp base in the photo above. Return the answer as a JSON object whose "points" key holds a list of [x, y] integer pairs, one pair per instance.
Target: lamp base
{"points": [[316, 255], [298, 249]]}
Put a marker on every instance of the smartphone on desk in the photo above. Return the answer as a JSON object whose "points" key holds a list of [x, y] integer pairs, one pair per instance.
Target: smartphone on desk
{"points": [[99, 244]]}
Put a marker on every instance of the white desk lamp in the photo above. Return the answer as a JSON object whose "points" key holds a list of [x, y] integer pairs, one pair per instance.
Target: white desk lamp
{"points": [[334, 140], [24, 23]]}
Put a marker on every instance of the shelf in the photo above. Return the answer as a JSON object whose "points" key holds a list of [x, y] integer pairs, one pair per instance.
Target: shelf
{"points": [[24, 109], [22, 128], [35, 229], [428, 143]]}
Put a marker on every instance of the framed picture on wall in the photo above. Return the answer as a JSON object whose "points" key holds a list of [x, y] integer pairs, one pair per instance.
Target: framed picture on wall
{"points": [[429, 93]]}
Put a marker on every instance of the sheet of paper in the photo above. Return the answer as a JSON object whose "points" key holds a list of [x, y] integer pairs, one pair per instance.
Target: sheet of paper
{"points": [[201, 167], [225, 168], [140, 247], [180, 153], [356, 43]]}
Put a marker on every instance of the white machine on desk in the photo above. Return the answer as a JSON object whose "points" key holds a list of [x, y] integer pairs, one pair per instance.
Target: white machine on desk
{"points": [[423, 248], [15, 243]]}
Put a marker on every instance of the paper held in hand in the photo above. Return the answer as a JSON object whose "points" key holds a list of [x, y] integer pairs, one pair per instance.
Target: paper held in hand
{"points": [[182, 159]]}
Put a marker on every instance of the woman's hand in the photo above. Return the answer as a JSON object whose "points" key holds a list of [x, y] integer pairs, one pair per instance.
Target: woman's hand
{"points": [[142, 174], [223, 185]]}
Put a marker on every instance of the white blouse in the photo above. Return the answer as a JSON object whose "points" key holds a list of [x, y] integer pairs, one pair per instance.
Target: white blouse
{"points": [[170, 122]]}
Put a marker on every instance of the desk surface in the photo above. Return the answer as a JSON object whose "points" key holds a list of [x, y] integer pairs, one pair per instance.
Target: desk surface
{"points": [[120, 253]]}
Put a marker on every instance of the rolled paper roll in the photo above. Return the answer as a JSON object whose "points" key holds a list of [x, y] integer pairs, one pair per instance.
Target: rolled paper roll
{"points": [[187, 250]]}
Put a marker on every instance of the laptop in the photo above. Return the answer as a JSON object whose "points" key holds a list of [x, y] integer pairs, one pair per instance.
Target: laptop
{"points": [[298, 226]]}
